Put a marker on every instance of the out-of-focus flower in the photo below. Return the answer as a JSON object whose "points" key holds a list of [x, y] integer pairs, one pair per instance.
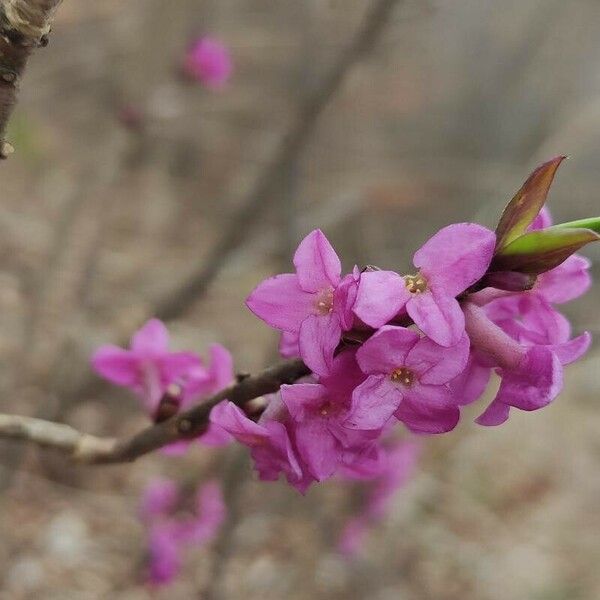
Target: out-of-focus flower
{"points": [[148, 367], [208, 60], [171, 533]]}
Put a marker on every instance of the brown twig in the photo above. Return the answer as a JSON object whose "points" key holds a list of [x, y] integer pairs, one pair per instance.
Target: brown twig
{"points": [[24, 25], [90, 449]]}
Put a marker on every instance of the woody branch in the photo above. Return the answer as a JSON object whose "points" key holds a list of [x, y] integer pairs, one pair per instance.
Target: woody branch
{"points": [[24, 26]]}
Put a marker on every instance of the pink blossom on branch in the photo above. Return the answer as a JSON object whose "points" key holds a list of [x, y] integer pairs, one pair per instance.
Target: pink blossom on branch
{"points": [[449, 263], [314, 304], [148, 368]]}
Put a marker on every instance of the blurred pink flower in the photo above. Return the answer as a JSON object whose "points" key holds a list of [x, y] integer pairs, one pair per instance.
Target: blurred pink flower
{"points": [[208, 60]]}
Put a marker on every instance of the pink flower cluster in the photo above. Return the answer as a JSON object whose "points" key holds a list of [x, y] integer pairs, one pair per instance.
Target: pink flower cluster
{"points": [[385, 347], [172, 530]]}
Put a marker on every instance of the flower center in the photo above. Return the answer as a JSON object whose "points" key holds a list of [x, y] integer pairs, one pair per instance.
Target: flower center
{"points": [[415, 284], [403, 375], [324, 303]]}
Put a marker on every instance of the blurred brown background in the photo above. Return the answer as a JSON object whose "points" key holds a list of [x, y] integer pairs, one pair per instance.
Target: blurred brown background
{"points": [[440, 123]]}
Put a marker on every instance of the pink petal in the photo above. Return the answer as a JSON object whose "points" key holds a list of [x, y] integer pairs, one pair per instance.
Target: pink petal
{"points": [[566, 282], [437, 316], [536, 382], [317, 265], [318, 448], [495, 414], [373, 403], [471, 383], [178, 365], [116, 365], [302, 399], [434, 396], [543, 220], [152, 339], [221, 367], [233, 420], [574, 349], [456, 257], [280, 302], [386, 350], [344, 376], [288, 345], [215, 437], [424, 419], [381, 296], [158, 498], [319, 337], [344, 300], [435, 364]]}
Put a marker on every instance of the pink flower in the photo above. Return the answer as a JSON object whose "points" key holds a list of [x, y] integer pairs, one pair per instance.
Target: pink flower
{"points": [[172, 533], [269, 442], [148, 367], [319, 413], [449, 263], [208, 60], [315, 303], [408, 376], [531, 376]]}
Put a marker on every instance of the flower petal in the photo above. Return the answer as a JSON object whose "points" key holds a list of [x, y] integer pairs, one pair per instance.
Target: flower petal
{"points": [[373, 403], [495, 414], [456, 257], [318, 448], [435, 364], [221, 366], [319, 337], [281, 302], [434, 396], [302, 398], [386, 350], [381, 296], [471, 383], [177, 365], [438, 316], [566, 282], [233, 420], [116, 365], [151, 339], [317, 265], [424, 419], [535, 383], [574, 349]]}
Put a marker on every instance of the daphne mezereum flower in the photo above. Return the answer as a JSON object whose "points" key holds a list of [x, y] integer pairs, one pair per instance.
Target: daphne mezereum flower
{"points": [[449, 263], [407, 376], [314, 303], [148, 367]]}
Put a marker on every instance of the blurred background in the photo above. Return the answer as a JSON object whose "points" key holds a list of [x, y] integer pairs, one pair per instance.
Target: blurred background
{"points": [[127, 176]]}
